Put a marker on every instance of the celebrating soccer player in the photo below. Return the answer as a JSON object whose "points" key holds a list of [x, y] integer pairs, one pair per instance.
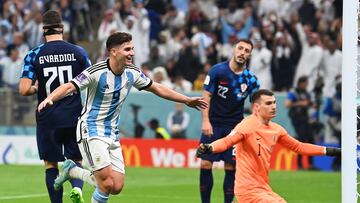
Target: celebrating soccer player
{"points": [[107, 85], [255, 138]]}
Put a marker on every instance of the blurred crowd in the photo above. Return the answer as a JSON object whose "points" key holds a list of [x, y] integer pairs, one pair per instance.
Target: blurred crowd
{"points": [[177, 41]]}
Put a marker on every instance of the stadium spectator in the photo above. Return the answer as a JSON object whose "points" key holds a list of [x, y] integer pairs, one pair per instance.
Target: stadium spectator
{"points": [[331, 68], [11, 68], [282, 62], [254, 138], [107, 82], [260, 63], [33, 30], [226, 87], [311, 55], [18, 42], [299, 103], [108, 25], [198, 84], [160, 132], [160, 75], [155, 60], [137, 24], [49, 65], [181, 84], [178, 121]]}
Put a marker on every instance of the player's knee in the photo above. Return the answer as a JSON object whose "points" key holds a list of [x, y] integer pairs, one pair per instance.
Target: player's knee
{"points": [[106, 185], [117, 188], [206, 164]]}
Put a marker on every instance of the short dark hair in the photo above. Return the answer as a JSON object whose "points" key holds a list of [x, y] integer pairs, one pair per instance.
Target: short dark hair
{"points": [[52, 19], [247, 41], [256, 95], [302, 79], [117, 38]]}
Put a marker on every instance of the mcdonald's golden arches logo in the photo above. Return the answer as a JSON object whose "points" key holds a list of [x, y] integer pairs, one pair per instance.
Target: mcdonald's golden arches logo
{"points": [[285, 154], [131, 153]]}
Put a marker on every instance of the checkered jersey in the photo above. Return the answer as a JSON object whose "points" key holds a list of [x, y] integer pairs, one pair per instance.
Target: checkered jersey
{"points": [[228, 93]]}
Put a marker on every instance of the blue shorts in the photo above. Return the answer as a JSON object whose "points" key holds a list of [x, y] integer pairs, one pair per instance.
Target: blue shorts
{"points": [[227, 156], [54, 144]]}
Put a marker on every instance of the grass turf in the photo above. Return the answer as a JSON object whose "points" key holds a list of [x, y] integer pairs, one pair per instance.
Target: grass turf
{"points": [[26, 184]]}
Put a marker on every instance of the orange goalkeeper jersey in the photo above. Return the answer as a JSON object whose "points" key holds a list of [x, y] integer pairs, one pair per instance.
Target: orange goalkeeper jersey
{"points": [[255, 142]]}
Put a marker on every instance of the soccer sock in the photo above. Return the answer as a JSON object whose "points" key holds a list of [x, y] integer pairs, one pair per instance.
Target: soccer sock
{"points": [[99, 197], [84, 175], [206, 184], [75, 182], [229, 186], [50, 176]]}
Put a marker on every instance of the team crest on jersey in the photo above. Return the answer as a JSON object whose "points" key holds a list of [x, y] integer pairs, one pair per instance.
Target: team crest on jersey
{"points": [[243, 87]]}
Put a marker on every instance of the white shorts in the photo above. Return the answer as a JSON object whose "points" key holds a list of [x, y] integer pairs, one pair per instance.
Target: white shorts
{"points": [[100, 152]]}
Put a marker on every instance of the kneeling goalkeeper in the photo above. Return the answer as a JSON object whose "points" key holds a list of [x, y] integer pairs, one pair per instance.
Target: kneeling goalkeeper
{"points": [[255, 138]]}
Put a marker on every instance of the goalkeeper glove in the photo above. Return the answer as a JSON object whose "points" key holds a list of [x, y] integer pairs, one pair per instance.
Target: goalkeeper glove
{"points": [[203, 149], [333, 151]]}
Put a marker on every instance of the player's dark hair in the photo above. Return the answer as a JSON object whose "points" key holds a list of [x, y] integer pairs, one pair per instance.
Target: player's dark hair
{"points": [[256, 95], [52, 23], [116, 39], [247, 41]]}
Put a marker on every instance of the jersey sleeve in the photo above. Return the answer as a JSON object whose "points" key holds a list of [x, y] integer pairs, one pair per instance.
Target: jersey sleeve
{"points": [[299, 147], [240, 132], [225, 143], [82, 80], [210, 81], [28, 68], [141, 81]]}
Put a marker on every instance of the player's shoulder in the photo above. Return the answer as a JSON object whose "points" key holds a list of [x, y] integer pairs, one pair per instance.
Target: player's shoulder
{"points": [[133, 69], [277, 127], [249, 73], [34, 51], [248, 125], [98, 67], [219, 68]]}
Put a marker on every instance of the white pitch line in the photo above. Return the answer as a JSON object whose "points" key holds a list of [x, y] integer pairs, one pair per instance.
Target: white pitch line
{"points": [[24, 196]]}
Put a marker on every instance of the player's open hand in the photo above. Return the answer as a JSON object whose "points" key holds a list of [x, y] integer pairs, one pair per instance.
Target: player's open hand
{"points": [[333, 151], [47, 102], [197, 103], [203, 149]]}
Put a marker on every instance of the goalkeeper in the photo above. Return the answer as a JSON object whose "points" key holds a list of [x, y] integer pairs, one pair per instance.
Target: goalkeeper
{"points": [[255, 138]]}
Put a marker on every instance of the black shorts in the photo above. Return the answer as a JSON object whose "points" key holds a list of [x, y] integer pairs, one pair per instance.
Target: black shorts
{"points": [[54, 144], [227, 156]]}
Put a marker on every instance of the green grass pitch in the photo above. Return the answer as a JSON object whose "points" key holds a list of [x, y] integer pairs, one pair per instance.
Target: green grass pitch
{"points": [[26, 184]]}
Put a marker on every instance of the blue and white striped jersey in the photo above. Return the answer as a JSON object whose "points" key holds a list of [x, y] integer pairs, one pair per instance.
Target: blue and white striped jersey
{"points": [[105, 95]]}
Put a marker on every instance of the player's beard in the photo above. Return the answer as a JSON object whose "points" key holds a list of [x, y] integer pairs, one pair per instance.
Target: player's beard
{"points": [[240, 63]]}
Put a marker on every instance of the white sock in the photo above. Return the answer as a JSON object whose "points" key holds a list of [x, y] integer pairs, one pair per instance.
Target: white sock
{"points": [[83, 175]]}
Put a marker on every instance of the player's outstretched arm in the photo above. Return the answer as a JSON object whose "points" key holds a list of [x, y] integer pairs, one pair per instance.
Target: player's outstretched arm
{"points": [[167, 93], [57, 94], [203, 149], [332, 151]]}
